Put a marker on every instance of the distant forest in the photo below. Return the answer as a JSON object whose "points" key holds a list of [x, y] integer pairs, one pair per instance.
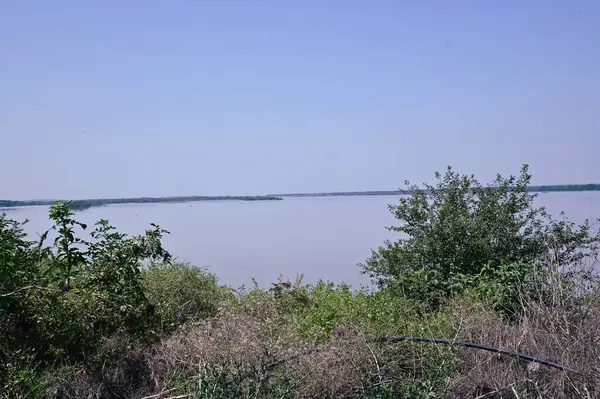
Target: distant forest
{"points": [[89, 203], [533, 189]]}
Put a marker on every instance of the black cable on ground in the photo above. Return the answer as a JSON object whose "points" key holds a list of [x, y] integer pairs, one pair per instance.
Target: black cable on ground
{"points": [[404, 338], [513, 354]]}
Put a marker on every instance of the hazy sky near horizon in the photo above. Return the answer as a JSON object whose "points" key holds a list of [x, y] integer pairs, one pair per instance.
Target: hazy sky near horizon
{"points": [[152, 98]]}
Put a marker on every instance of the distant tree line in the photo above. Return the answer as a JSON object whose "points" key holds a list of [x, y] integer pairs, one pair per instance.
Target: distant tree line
{"points": [[532, 189], [89, 203], [565, 187]]}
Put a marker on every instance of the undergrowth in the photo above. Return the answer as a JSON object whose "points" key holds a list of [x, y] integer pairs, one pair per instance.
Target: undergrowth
{"points": [[112, 316]]}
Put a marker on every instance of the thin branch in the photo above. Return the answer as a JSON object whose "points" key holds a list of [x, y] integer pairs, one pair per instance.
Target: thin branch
{"points": [[27, 288], [158, 394]]}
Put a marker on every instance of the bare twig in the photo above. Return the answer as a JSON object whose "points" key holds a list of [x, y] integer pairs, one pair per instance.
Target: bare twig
{"points": [[158, 394], [27, 288]]}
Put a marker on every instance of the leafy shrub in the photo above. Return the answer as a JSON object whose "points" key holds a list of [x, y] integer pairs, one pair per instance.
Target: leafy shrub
{"points": [[58, 303], [19, 270], [181, 292], [458, 234], [73, 313]]}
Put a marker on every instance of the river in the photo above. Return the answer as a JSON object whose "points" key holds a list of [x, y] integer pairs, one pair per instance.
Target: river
{"points": [[319, 237]]}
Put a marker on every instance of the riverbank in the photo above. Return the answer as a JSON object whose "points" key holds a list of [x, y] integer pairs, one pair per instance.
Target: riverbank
{"points": [[531, 189], [90, 203]]}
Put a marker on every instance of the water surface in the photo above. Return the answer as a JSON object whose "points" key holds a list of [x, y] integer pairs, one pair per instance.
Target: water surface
{"points": [[320, 237]]}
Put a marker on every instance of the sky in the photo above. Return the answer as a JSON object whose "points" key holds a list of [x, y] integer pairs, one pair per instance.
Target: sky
{"points": [[187, 97]]}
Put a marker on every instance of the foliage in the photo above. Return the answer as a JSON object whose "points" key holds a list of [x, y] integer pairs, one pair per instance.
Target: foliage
{"points": [[111, 316], [229, 355], [58, 303], [459, 234], [182, 293], [316, 311]]}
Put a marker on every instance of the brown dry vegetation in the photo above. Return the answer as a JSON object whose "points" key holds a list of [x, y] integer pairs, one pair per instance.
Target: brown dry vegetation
{"points": [[565, 329], [240, 348], [242, 355]]}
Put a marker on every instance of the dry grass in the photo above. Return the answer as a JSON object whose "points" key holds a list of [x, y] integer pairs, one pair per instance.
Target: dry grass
{"points": [[243, 349], [562, 325], [240, 355], [129, 377], [230, 343], [337, 370]]}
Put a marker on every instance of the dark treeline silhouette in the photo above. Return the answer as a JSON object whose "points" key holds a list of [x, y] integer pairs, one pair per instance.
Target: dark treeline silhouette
{"points": [[89, 203], [532, 189]]}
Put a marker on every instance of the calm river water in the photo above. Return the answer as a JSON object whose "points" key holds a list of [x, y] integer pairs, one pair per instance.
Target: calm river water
{"points": [[322, 238]]}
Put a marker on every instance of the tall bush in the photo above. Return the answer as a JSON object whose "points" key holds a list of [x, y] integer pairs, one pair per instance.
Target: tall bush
{"points": [[182, 293], [458, 234], [59, 302]]}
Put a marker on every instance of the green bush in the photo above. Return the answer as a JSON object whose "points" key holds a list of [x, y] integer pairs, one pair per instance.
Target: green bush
{"points": [[316, 312], [59, 303], [459, 234], [181, 292], [101, 314]]}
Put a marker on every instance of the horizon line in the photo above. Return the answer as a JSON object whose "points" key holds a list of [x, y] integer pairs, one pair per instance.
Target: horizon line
{"points": [[547, 187]]}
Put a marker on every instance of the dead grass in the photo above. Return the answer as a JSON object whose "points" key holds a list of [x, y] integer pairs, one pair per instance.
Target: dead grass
{"points": [[242, 348], [337, 370], [558, 327], [128, 377], [239, 355], [228, 342]]}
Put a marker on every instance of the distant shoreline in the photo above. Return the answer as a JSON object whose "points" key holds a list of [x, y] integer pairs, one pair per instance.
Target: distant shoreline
{"points": [[90, 203], [532, 189]]}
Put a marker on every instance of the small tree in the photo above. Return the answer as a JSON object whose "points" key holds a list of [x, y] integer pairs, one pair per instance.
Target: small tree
{"points": [[458, 233], [58, 302]]}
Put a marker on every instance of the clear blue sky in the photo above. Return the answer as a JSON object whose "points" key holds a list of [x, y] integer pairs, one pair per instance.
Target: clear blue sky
{"points": [[149, 98]]}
